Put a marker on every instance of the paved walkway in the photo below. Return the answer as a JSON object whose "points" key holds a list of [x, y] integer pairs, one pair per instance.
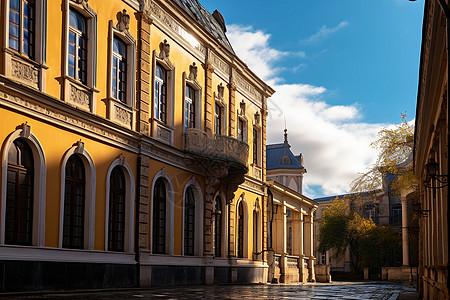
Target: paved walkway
{"points": [[336, 290]]}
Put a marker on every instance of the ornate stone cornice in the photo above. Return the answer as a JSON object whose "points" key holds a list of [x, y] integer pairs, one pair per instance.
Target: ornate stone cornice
{"points": [[55, 114]]}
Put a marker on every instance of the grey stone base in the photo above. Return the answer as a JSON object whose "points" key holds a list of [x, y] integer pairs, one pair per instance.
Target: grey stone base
{"points": [[198, 275], [20, 276]]}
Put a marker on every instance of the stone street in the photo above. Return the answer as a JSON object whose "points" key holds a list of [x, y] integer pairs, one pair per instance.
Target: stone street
{"points": [[335, 290]]}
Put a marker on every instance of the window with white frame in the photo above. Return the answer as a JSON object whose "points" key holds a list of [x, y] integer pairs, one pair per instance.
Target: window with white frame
{"points": [[218, 119], [119, 70], [24, 40], [22, 26], [160, 105], [189, 107], [79, 72], [241, 130], [192, 99], [77, 47], [255, 146]]}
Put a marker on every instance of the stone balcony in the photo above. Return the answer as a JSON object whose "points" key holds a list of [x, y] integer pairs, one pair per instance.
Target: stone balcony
{"points": [[219, 147]]}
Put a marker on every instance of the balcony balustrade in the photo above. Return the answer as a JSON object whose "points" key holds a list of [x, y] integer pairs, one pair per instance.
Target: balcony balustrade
{"points": [[219, 147]]}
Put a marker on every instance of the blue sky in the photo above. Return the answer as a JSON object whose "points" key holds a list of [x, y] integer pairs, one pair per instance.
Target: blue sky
{"points": [[342, 70]]}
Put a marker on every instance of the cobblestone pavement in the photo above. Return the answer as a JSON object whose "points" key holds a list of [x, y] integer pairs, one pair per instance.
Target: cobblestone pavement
{"points": [[336, 290]]}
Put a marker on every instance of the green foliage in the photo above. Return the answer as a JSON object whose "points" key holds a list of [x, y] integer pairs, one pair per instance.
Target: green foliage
{"points": [[341, 227], [395, 146], [379, 247]]}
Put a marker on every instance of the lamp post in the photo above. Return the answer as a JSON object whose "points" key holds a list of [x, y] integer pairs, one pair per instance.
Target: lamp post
{"points": [[446, 10]]}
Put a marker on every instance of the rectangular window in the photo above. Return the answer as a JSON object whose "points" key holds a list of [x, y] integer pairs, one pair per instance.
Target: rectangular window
{"points": [[77, 50], [217, 119], [240, 130], [255, 146], [119, 70], [189, 110], [160, 94], [21, 26]]}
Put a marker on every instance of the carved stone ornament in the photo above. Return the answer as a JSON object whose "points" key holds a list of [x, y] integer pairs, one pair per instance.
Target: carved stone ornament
{"points": [[221, 90], [193, 70], [164, 49], [26, 130], [24, 72], [121, 159], [257, 207], [123, 19], [78, 96], [144, 6], [80, 1], [242, 106], [257, 118], [79, 147]]}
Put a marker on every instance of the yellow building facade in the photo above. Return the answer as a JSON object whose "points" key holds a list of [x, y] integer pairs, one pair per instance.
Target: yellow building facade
{"points": [[133, 147]]}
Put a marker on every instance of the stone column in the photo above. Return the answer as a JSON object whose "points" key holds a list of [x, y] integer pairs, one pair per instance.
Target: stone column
{"points": [[309, 251], [283, 261], [405, 246], [209, 70], [143, 73]]}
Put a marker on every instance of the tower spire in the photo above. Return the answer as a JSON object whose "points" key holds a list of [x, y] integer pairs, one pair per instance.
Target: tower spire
{"points": [[285, 131]]}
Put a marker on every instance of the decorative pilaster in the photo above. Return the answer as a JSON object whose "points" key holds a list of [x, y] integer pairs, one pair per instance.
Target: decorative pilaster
{"points": [[232, 111], [209, 70], [264, 114], [210, 188], [231, 227], [143, 73], [143, 188]]}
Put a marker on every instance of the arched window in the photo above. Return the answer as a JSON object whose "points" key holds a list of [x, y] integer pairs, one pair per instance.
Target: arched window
{"points": [[119, 70], [77, 50], [74, 203], [189, 222], [19, 194], [116, 226], [255, 233], [160, 94], [218, 226], [159, 217], [240, 250]]}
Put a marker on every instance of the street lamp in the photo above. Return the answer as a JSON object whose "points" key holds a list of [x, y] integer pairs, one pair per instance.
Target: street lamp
{"points": [[432, 168], [446, 10]]}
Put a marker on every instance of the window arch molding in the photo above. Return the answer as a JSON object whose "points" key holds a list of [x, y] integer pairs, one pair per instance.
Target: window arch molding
{"points": [[198, 231], [89, 210], [224, 225], [129, 202], [245, 229], [39, 193], [170, 200]]}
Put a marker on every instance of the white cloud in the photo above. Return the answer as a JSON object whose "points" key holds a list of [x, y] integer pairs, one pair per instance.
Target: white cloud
{"points": [[324, 32], [333, 139]]}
